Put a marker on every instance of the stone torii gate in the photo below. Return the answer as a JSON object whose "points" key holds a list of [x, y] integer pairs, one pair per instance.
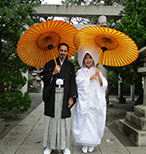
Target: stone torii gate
{"points": [[101, 12], [45, 10], [138, 118]]}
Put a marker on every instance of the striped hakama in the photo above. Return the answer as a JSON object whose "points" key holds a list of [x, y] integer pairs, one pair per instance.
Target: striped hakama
{"points": [[57, 130]]}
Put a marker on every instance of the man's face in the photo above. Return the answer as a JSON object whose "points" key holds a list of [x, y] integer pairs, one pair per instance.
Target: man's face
{"points": [[62, 52]]}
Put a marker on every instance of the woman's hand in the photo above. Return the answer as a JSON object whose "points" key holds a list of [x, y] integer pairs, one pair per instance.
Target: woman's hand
{"points": [[97, 71], [94, 76]]}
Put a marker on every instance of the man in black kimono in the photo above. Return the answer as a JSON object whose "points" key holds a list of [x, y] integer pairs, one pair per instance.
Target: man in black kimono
{"points": [[59, 95]]}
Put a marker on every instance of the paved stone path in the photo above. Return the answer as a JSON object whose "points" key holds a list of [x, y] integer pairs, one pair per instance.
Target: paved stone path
{"points": [[27, 136]]}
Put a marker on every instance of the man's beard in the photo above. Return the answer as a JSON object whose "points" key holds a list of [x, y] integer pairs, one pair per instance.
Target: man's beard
{"points": [[62, 56]]}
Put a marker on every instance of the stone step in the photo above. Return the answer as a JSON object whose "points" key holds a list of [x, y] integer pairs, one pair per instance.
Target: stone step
{"points": [[2, 125], [137, 136], [140, 122], [140, 110]]}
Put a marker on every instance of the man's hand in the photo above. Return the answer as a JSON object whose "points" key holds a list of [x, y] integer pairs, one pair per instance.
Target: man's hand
{"points": [[70, 102], [56, 70]]}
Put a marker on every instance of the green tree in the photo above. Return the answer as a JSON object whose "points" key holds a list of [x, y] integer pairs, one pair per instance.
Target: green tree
{"points": [[75, 62], [92, 2], [133, 24], [14, 16]]}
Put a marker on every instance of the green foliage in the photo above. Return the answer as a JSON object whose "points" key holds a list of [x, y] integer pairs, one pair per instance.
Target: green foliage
{"points": [[132, 24], [15, 15], [114, 2], [11, 75], [112, 82], [74, 60], [92, 2], [75, 2], [15, 102]]}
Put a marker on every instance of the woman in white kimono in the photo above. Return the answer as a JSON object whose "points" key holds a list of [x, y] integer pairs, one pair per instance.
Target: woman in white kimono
{"points": [[90, 110]]}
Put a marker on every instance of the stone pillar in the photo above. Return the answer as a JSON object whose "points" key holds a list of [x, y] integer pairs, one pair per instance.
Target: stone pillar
{"points": [[132, 92], [144, 95], [142, 70], [119, 87], [121, 99]]}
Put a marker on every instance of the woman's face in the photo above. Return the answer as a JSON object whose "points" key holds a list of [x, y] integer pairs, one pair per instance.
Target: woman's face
{"points": [[88, 61]]}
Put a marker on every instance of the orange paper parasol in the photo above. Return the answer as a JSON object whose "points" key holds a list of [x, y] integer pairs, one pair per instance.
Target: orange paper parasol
{"points": [[116, 48], [39, 44]]}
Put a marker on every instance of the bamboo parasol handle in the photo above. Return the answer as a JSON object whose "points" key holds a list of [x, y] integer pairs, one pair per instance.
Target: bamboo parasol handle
{"points": [[100, 60], [50, 47], [103, 50], [98, 66], [54, 58]]}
